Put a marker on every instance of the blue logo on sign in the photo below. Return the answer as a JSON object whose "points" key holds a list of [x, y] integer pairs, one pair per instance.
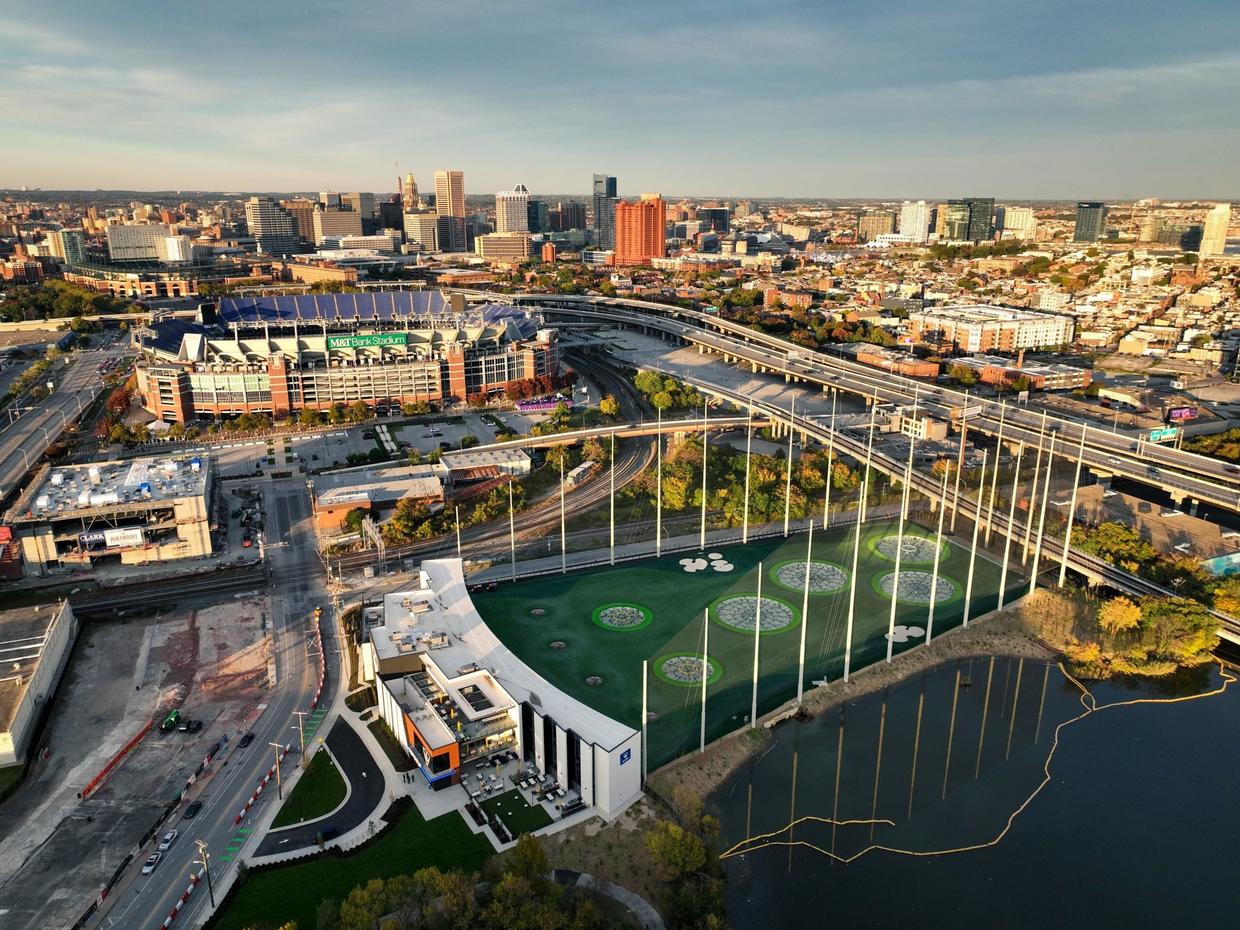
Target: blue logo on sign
{"points": [[626, 756]]}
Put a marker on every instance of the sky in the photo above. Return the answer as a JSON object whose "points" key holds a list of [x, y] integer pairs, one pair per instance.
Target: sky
{"points": [[1089, 99]]}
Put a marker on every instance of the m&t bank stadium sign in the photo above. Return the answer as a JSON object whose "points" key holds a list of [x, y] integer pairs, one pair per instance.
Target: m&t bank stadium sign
{"points": [[367, 340]]}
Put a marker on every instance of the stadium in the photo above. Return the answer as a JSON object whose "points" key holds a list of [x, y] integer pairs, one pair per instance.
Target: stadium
{"points": [[277, 355]]}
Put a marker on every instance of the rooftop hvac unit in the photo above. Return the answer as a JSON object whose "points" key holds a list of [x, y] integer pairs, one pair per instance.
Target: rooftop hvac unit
{"points": [[93, 472], [58, 478], [42, 501]]}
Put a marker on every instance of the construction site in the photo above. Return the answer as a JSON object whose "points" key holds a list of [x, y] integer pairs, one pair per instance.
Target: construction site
{"points": [[85, 805]]}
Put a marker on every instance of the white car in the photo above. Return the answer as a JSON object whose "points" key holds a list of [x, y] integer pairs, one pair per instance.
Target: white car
{"points": [[169, 838], [149, 866]]}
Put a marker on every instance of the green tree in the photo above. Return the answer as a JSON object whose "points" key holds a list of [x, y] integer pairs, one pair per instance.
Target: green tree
{"points": [[963, 374], [308, 416], [662, 400], [1227, 596], [364, 906], [353, 519], [676, 851]]}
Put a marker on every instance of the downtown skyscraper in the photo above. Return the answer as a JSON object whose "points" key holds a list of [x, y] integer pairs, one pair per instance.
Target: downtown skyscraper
{"points": [[450, 206], [604, 205], [1091, 221]]}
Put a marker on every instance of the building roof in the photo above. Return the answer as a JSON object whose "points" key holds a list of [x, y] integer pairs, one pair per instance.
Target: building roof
{"points": [[23, 633], [378, 484], [443, 606], [482, 458], [62, 491]]}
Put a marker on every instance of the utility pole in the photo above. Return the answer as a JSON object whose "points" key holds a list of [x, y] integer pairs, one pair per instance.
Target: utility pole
{"points": [[512, 532], [204, 860], [301, 733], [658, 488], [279, 785]]}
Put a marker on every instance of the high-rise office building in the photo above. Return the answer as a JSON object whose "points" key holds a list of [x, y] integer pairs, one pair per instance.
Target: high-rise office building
{"points": [[640, 232], [1091, 221], [716, 219], [330, 199], [390, 214], [538, 216], [409, 193], [302, 209], [568, 214], [1016, 223], [274, 229], [512, 210], [359, 202], [422, 228], [450, 205], [873, 223], [336, 223], [915, 220], [1214, 236], [604, 205], [970, 219]]}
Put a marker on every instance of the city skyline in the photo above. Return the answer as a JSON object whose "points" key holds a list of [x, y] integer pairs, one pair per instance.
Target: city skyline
{"points": [[849, 102]]}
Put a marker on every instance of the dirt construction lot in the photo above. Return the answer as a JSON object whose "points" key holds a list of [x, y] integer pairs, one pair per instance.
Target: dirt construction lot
{"points": [[56, 850]]}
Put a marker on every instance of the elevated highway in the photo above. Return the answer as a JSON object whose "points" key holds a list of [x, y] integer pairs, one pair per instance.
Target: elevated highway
{"points": [[1183, 475]]}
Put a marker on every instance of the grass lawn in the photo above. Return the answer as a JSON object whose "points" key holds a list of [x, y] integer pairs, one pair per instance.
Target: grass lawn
{"points": [[395, 752], [517, 815], [319, 791], [664, 624], [270, 898]]}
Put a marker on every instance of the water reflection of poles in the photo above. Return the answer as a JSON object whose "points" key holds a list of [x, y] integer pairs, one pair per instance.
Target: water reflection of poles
{"points": [[757, 634], [1046, 674], [895, 583], [878, 763], [792, 416], [705, 675], [951, 734], [748, 451], [792, 807], [938, 551], [1076, 483], [1020, 668], [1007, 542], [994, 484], [968, 587], [852, 586], [912, 781], [839, 762], [981, 735], [1046, 493], [809, 548]]}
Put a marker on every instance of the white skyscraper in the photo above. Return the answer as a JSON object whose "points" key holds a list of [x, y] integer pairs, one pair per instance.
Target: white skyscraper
{"points": [[1017, 223], [512, 210], [1214, 236], [915, 220]]}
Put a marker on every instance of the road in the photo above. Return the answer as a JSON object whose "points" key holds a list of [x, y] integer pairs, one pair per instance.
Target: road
{"points": [[25, 440], [297, 587]]}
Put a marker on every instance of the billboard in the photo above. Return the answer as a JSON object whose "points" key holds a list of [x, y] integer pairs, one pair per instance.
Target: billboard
{"points": [[1182, 413], [367, 340], [95, 539], [130, 536]]}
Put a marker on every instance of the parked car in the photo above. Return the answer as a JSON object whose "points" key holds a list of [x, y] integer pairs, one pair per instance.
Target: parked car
{"points": [[169, 838], [192, 811], [191, 726], [149, 866]]}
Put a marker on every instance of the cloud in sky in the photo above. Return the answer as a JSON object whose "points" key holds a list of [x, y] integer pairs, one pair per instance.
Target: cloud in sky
{"points": [[1047, 99]]}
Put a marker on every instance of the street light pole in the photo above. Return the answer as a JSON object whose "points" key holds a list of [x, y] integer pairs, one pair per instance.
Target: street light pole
{"points": [[204, 859], [301, 733], [279, 785]]}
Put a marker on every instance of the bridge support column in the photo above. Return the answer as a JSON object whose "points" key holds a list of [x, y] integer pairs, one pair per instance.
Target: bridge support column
{"points": [[1102, 477], [1192, 507]]}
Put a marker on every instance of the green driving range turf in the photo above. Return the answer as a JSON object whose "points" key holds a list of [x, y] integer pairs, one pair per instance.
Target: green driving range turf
{"points": [[604, 622]]}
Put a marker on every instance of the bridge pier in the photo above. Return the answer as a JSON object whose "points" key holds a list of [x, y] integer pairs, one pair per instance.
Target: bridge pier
{"points": [[1193, 505]]}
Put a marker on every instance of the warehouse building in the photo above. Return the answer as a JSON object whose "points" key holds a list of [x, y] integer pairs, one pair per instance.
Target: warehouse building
{"points": [[35, 644], [142, 510], [277, 355], [453, 694]]}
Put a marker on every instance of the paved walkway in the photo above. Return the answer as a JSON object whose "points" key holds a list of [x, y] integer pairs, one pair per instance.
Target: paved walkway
{"points": [[366, 789], [639, 907]]}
